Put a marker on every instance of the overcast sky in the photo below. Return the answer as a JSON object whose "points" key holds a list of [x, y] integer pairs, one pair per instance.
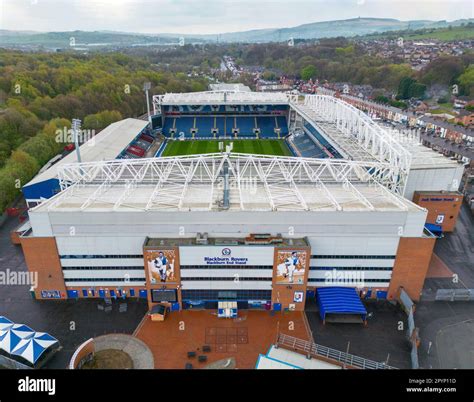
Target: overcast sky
{"points": [[211, 16]]}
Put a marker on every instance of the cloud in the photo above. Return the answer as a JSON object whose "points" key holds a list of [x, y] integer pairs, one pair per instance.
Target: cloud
{"points": [[211, 16]]}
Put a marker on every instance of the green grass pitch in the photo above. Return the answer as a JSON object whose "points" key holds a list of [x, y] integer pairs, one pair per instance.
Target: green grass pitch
{"points": [[261, 147]]}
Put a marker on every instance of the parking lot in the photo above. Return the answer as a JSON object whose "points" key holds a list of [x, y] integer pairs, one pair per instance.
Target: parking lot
{"points": [[382, 340], [446, 328], [71, 322]]}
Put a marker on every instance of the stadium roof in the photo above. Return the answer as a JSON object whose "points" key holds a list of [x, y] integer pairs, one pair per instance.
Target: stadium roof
{"points": [[106, 145], [229, 87], [422, 157], [351, 130], [221, 97], [235, 182]]}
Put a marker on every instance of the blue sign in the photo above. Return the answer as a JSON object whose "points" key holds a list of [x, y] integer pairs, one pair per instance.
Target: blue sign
{"points": [[50, 294]]}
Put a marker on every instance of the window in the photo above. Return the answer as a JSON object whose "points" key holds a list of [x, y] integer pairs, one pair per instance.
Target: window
{"points": [[349, 280], [351, 268], [81, 256], [104, 280], [203, 294], [224, 278], [355, 257], [166, 295], [140, 267]]}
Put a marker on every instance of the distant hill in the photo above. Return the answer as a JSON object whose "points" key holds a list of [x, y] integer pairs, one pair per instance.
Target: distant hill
{"points": [[443, 34], [326, 29], [81, 38]]}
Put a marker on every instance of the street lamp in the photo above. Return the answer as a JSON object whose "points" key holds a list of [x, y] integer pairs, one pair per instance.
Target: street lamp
{"points": [[146, 88], [76, 127]]}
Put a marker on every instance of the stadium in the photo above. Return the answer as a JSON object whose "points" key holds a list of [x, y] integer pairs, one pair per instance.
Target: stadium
{"points": [[232, 195]]}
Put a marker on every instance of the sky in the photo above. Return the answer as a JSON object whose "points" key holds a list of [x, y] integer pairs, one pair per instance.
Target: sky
{"points": [[211, 16]]}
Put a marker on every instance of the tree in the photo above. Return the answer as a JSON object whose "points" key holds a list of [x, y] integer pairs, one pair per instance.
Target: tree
{"points": [[410, 88], [404, 88], [466, 80], [308, 72], [100, 120], [20, 169], [444, 70]]}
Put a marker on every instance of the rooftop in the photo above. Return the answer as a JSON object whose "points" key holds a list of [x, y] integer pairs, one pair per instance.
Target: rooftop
{"points": [[215, 241], [221, 97], [106, 145], [233, 182], [229, 87]]}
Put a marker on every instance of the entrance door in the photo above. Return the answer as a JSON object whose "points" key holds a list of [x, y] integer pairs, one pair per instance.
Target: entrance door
{"points": [[381, 294], [72, 294], [210, 305], [243, 305]]}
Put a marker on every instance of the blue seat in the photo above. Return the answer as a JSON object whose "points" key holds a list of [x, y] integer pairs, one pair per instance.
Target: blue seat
{"points": [[204, 125], [246, 126], [303, 145], [267, 125], [184, 124]]}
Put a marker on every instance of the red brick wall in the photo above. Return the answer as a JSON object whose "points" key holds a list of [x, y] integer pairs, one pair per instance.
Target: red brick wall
{"points": [[41, 256], [411, 265], [447, 207]]}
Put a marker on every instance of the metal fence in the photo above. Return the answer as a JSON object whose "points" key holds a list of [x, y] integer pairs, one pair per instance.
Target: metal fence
{"points": [[453, 295], [412, 332], [315, 350], [11, 364]]}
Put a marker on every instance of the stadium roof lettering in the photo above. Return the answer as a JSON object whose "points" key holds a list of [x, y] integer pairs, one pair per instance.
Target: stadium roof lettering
{"points": [[220, 97]]}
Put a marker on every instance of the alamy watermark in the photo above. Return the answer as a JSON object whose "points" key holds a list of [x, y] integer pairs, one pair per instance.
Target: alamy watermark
{"points": [[19, 278], [338, 277], [67, 136]]}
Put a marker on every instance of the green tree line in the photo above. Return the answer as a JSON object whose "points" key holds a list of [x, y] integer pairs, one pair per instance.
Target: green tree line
{"points": [[41, 92]]}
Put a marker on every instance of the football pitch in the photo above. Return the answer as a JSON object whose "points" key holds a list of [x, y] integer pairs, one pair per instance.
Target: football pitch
{"points": [[261, 147]]}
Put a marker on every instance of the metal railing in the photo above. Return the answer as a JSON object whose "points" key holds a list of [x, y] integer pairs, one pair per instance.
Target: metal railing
{"points": [[315, 350], [453, 295]]}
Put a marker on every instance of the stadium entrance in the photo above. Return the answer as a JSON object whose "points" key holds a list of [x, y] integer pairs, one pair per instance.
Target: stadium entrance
{"points": [[258, 273]]}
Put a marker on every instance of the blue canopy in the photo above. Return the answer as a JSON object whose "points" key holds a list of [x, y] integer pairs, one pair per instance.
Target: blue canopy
{"points": [[10, 337], [339, 300], [437, 230], [5, 323], [21, 340], [32, 348]]}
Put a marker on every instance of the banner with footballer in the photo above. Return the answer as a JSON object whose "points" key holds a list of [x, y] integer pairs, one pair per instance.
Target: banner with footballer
{"points": [[291, 267], [162, 266]]}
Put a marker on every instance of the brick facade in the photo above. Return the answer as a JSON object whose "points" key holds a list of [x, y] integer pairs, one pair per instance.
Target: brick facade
{"points": [[411, 265], [445, 205], [41, 256]]}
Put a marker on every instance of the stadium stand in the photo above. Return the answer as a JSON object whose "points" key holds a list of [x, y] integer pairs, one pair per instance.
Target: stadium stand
{"points": [[205, 126], [135, 152], [228, 125], [302, 145], [318, 138]]}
